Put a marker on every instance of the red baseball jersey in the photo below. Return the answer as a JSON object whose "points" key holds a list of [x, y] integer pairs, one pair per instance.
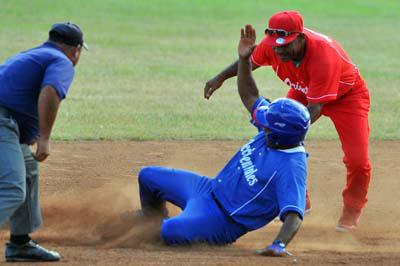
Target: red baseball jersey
{"points": [[325, 74]]}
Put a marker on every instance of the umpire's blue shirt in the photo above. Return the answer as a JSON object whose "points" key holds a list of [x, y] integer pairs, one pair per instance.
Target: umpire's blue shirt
{"points": [[24, 75], [260, 183]]}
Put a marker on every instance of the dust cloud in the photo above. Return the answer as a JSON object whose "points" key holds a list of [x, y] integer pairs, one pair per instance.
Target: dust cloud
{"points": [[104, 217]]}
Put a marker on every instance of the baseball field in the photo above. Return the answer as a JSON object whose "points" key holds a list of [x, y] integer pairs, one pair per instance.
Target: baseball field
{"points": [[137, 99]]}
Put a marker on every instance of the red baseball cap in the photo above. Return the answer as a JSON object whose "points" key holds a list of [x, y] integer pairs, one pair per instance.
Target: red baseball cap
{"points": [[283, 28]]}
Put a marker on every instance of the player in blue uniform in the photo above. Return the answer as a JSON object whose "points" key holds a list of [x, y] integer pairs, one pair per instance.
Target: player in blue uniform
{"points": [[266, 178], [32, 85]]}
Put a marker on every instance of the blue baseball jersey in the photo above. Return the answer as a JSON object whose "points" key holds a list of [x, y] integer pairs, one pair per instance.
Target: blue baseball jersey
{"points": [[260, 183], [24, 75]]}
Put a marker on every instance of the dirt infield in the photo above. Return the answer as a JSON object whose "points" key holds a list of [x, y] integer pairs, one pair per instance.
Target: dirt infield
{"points": [[86, 186]]}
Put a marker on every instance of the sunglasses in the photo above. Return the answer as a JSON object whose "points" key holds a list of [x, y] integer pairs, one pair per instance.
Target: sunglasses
{"points": [[280, 33]]}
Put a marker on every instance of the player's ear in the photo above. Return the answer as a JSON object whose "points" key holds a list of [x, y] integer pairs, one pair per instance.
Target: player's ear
{"points": [[76, 53]]}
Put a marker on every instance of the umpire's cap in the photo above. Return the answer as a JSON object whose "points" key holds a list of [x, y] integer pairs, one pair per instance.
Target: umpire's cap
{"points": [[67, 33]]}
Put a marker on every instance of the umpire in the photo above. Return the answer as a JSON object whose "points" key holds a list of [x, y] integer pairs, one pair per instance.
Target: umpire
{"points": [[32, 85]]}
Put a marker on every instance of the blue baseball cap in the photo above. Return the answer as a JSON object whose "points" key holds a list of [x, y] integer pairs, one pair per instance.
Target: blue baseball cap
{"points": [[286, 119], [67, 33]]}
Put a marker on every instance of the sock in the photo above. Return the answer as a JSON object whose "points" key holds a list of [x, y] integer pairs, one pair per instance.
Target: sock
{"points": [[19, 239]]}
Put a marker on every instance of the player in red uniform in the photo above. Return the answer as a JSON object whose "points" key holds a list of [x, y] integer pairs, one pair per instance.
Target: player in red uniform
{"points": [[321, 76]]}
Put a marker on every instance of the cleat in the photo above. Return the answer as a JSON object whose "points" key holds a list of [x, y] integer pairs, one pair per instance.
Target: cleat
{"points": [[31, 251], [349, 220], [342, 228]]}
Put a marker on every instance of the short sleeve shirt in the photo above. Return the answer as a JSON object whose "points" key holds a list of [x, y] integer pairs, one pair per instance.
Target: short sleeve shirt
{"points": [[260, 183], [325, 74], [24, 75]]}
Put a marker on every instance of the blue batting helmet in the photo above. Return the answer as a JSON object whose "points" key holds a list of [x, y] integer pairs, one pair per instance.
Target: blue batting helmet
{"points": [[286, 119]]}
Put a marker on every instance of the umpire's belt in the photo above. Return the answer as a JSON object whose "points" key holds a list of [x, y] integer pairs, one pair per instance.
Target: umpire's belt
{"points": [[222, 208]]}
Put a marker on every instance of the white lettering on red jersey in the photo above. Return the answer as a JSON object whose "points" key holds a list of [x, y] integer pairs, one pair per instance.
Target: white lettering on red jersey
{"points": [[325, 73]]}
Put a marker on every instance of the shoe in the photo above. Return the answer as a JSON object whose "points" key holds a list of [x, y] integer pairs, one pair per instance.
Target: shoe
{"points": [[342, 228], [31, 251], [349, 220]]}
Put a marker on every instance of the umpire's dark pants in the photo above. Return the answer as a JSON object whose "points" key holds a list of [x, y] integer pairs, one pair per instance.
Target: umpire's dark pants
{"points": [[19, 189]]}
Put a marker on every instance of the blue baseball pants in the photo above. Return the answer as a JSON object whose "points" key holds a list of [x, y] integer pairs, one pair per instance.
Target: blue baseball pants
{"points": [[202, 218]]}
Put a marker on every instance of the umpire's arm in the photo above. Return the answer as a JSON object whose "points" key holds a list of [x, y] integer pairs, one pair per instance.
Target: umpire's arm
{"points": [[48, 105]]}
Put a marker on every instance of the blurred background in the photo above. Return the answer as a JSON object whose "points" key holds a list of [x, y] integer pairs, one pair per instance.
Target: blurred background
{"points": [[144, 75]]}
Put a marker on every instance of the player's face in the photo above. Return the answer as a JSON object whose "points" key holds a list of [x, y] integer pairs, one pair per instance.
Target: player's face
{"points": [[290, 51], [77, 55], [284, 52], [74, 53]]}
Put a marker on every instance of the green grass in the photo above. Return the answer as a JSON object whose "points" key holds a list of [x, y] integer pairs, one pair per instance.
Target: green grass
{"points": [[143, 78]]}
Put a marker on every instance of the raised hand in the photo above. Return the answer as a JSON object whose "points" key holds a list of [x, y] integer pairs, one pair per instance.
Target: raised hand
{"points": [[247, 41]]}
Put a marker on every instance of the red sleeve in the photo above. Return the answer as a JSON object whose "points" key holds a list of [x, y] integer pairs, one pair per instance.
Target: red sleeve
{"points": [[261, 55], [324, 70]]}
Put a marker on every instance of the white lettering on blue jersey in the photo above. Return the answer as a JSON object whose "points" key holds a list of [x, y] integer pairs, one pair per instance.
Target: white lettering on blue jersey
{"points": [[253, 198], [247, 165]]}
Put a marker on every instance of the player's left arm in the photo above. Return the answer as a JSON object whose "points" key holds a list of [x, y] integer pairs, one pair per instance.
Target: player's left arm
{"points": [[288, 230], [289, 227], [290, 195]]}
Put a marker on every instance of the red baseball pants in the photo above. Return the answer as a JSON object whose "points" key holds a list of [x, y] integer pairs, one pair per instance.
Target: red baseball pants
{"points": [[350, 117]]}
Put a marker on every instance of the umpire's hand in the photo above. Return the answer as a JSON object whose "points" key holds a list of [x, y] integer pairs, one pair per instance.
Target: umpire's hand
{"points": [[42, 150]]}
